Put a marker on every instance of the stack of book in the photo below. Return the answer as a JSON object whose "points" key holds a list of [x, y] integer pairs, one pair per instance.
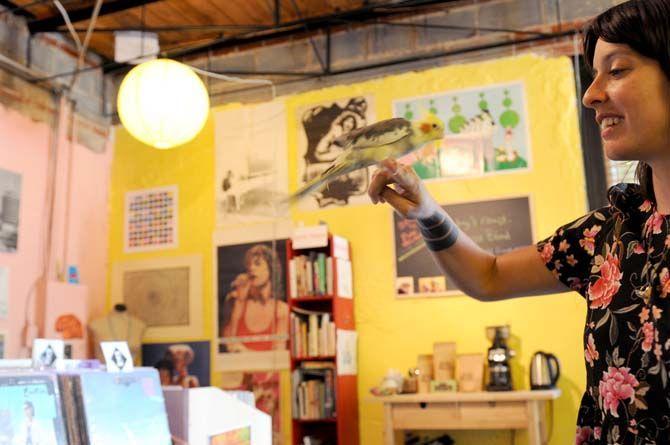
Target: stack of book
{"points": [[313, 391], [313, 333], [311, 275]]}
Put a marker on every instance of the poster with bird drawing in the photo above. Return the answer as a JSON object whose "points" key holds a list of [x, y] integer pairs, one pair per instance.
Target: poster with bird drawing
{"points": [[486, 131], [319, 125]]}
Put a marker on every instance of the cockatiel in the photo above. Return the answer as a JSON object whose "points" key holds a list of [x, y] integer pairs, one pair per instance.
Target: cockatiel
{"points": [[366, 146]]}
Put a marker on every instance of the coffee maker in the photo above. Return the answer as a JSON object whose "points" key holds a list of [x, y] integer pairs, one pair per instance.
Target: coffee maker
{"points": [[499, 372]]}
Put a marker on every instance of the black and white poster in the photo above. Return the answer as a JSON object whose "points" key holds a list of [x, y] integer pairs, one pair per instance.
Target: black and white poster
{"points": [[318, 127], [251, 163], [10, 199]]}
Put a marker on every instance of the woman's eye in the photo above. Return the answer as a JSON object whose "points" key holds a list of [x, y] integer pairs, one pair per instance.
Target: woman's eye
{"points": [[615, 72]]}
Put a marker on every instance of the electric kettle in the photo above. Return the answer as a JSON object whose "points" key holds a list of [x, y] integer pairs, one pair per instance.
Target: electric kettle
{"points": [[544, 370]]}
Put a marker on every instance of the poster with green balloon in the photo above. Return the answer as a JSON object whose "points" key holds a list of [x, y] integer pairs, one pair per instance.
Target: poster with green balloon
{"points": [[486, 131]]}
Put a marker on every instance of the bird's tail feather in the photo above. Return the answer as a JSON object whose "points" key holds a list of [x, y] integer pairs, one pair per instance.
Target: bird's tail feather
{"points": [[316, 183]]}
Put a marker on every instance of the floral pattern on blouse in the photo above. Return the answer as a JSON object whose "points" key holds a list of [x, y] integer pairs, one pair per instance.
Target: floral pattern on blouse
{"points": [[618, 259]]}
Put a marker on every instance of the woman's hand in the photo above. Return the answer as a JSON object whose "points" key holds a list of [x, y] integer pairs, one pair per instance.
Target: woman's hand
{"points": [[240, 286], [410, 197]]}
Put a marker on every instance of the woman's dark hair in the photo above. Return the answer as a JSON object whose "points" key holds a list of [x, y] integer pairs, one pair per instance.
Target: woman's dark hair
{"points": [[643, 26], [267, 254]]}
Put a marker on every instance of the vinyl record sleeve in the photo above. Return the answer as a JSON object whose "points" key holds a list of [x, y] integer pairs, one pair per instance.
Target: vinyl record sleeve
{"points": [[30, 409]]}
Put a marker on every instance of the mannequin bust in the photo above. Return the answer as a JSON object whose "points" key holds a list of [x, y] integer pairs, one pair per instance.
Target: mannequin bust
{"points": [[118, 325]]}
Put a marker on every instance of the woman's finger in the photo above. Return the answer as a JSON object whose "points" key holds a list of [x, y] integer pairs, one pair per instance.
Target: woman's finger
{"points": [[379, 180], [389, 164], [405, 177]]}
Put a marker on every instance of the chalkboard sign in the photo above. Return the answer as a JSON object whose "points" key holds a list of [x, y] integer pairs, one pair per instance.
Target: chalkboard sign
{"points": [[497, 226]]}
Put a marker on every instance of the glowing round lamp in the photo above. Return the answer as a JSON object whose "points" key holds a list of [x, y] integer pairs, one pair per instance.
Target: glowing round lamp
{"points": [[163, 103]]}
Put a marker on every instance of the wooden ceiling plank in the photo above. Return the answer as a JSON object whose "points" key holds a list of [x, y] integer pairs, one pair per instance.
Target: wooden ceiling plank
{"points": [[17, 9], [52, 23], [222, 13], [166, 13], [41, 8]]}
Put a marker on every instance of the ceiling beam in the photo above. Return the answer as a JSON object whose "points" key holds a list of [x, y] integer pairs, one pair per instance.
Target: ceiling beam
{"points": [[17, 10], [51, 24], [300, 27]]}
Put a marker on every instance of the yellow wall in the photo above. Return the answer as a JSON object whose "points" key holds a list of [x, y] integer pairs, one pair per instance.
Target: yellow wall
{"points": [[392, 332]]}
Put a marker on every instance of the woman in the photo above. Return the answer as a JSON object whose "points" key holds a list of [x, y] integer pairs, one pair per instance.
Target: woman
{"points": [[254, 306], [616, 257]]}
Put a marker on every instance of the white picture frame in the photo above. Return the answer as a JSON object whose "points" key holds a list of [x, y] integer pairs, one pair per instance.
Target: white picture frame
{"points": [[162, 326]]}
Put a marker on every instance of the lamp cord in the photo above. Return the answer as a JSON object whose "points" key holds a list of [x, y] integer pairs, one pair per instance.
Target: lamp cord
{"points": [[236, 79]]}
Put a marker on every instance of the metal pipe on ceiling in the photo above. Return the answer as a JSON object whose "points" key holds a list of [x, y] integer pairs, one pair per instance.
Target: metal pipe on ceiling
{"points": [[549, 36], [414, 59], [18, 69]]}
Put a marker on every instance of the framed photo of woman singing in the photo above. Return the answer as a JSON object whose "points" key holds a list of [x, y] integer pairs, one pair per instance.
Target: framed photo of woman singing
{"points": [[252, 315]]}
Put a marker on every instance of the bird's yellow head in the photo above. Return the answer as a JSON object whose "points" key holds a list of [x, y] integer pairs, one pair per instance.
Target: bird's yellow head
{"points": [[429, 128]]}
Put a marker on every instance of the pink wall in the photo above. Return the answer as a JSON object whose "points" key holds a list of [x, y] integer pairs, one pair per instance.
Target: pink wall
{"points": [[24, 146]]}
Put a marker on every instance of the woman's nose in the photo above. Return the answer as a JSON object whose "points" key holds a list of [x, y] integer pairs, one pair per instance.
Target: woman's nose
{"points": [[595, 94]]}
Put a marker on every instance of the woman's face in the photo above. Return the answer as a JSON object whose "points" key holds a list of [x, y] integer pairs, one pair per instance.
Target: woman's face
{"points": [[631, 96], [259, 271]]}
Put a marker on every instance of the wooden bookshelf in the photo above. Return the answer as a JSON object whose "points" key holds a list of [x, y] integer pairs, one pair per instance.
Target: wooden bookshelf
{"points": [[342, 427]]}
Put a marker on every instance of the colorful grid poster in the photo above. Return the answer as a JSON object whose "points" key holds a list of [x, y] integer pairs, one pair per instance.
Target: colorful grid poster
{"points": [[151, 219]]}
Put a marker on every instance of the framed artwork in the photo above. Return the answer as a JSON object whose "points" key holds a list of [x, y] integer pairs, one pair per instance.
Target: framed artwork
{"points": [[165, 293], [151, 219], [251, 313], [187, 363], [4, 291], [10, 200], [251, 162], [318, 126], [486, 131]]}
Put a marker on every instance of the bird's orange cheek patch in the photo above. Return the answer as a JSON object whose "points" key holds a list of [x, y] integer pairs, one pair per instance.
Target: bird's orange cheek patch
{"points": [[425, 128]]}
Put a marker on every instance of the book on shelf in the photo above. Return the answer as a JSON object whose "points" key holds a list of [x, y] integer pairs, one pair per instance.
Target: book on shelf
{"points": [[324, 400], [313, 392], [313, 333], [311, 275], [311, 440]]}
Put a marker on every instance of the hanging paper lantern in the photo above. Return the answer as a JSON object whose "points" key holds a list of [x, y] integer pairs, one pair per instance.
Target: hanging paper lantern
{"points": [[163, 103]]}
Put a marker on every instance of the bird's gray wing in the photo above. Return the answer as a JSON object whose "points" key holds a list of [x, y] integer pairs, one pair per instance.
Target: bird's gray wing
{"points": [[380, 133]]}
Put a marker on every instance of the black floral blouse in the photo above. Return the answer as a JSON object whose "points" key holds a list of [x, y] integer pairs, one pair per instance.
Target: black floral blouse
{"points": [[618, 258]]}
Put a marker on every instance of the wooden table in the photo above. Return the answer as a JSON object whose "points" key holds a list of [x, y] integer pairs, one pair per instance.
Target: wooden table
{"points": [[468, 411]]}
